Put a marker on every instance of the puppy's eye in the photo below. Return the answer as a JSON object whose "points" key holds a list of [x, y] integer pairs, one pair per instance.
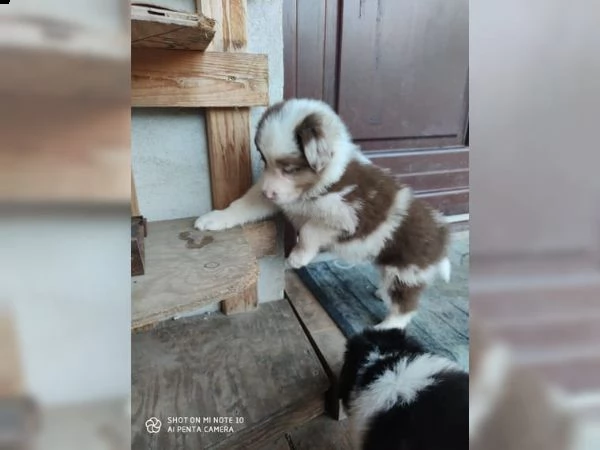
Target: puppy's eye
{"points": [[290, 170]]}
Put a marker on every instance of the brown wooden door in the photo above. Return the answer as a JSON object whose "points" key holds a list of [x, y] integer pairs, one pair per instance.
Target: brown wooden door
{"points": [[397, 72]]}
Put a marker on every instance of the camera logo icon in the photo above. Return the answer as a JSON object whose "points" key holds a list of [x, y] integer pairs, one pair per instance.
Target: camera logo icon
{"points": [[153, 425]]}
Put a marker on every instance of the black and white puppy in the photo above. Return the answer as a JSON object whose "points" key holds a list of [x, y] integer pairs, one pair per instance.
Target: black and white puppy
{"points": [[400, 397]]}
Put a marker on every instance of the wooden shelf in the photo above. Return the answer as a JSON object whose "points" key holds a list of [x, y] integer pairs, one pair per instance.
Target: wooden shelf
{"points": [[159, 27], [47, 57], [196, 79]]}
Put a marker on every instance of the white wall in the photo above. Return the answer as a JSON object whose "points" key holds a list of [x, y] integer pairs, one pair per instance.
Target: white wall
{"points": [[65, 274], [169, 153]]}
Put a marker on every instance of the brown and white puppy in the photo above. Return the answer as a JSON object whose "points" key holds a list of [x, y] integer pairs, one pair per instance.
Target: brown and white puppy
{"points": [[339, 201]]}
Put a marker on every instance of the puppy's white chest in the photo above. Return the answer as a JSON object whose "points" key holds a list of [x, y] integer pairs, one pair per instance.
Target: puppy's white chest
{"points": [[330, 211]]}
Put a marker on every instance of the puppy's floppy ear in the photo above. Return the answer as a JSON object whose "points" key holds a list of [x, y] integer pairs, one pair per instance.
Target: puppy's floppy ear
{"points": [[310, 137]]}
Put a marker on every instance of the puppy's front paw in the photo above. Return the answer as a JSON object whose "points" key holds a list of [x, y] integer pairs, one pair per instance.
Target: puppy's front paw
{"points": [[214, 221], [298, 259]]}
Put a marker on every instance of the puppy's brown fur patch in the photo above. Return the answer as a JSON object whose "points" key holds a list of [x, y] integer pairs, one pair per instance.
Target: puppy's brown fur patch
{"points": [[420, 239], [374, 192], [405, 298]]}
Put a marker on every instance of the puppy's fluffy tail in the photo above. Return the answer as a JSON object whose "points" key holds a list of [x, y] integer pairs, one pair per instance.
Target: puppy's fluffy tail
{"points": [[445, 269]]}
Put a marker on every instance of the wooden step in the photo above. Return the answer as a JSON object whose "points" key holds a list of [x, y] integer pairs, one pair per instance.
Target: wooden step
{"points": [[186, 270], [155, 26], [257, 368]]}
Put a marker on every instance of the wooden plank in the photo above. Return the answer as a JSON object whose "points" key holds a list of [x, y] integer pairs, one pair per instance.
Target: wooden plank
{"points": [[187, 272], [67, 153], [229, 130], [11, 376], [320, 327], [322, 433], [135, 207], [57, 59], [263, 237], [186, 78], [228, 135], [230, 30], [245, 301], [158, 27], [259, 367], [261, 437], [328, 341]]}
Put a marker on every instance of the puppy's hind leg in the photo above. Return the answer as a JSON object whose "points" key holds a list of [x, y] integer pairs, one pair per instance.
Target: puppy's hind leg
{"points": [[252, 206], [402, 298]]}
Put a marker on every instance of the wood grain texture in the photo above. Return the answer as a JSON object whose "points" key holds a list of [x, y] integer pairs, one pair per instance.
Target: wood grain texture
{"points": [[245, 301], [258, 366], [157, 27], [230, 29], [185, 78], [228, 133], [11, 376], [322, 433], [183, 275], [321, 328], [327, 339], [67, 153], [261, 437], [263, 237]]}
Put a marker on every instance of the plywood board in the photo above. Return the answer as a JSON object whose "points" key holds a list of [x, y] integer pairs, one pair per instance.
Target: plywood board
{"points": [[198, 79], [259, 367], [157, 27], [183, 275]]}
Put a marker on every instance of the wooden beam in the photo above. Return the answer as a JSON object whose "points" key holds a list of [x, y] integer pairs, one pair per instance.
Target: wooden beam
{"points": [[230, 29], [195, 79], [159, 27], [229, 155], [229, 129], [135, 207]]}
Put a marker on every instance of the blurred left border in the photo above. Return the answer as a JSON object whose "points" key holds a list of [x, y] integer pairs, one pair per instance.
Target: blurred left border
{"points": [[65, 188]]}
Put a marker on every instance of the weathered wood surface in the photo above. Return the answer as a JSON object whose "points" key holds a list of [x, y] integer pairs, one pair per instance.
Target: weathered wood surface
{"points": [[158, 27], [187, 78], [254, 366], [230, 28], [347, 293], [263, 237], [261, 436], [187, 271], [322, 433]]}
